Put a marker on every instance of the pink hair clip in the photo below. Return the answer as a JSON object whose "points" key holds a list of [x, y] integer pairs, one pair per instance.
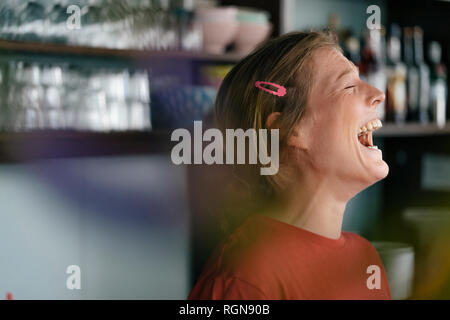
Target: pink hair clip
{"points": [[280, 92]]}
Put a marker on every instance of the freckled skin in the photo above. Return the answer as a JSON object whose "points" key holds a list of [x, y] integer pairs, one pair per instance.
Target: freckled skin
{"points": [[335, 114]]}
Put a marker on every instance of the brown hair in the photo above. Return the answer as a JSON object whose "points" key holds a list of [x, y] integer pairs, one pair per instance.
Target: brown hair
{"points": [[286, 61]]}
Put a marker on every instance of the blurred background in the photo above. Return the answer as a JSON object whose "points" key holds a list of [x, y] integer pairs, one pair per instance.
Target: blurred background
{"points": [[91, 89]]}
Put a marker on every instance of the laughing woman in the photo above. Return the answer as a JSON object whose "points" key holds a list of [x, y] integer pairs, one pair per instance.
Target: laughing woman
{"points": [[291, 246]]}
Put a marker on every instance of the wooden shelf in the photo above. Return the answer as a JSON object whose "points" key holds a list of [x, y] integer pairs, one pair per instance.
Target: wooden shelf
{"points": [[411, 129], [46, 144], [60, 49]]}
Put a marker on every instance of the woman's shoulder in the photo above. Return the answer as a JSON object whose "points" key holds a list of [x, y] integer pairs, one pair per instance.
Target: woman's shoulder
{"points": [[358, 242], [252, 244], [356, 238]]}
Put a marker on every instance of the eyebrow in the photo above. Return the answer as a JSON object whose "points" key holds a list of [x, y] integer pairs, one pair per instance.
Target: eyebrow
{"points": [[347, 71]]}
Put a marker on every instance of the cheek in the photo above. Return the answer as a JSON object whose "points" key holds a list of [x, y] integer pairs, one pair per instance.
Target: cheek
{"points": [[330, 144], [338, 149], [334, 131], [352, 108]]}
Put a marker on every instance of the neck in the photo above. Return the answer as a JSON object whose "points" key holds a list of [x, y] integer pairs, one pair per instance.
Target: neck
{"points": [[316, 205]]}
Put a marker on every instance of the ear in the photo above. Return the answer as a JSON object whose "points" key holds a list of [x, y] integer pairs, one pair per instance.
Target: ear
{"points": [[298, 138], [271, 119]]}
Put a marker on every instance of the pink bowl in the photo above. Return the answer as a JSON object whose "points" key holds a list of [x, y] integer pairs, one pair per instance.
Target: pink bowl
{"points": [[249, 35], [217, 14], [217, 35]]}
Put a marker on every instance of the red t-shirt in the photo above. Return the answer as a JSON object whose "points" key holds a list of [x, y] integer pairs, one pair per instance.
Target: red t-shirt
{"points": [[269, 259]]}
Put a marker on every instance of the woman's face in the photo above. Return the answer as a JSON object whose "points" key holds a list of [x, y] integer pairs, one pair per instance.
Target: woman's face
{"points": [[340, 103]]}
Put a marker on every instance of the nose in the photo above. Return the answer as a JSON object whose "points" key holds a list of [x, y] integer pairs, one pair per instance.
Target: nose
{"points": [[375, 96]]}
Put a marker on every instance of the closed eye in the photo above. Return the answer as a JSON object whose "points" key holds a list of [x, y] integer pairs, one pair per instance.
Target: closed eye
{"points": [[349, 87]]}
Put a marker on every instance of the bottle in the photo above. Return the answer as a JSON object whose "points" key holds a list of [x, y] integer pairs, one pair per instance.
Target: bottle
{"points": [[412, 76], [334, 24], [349, 43], [352, 48], [396, 108], [3, 111], [169, 27], [424, 76], [190, 32], [372, 64], [438, 89]]}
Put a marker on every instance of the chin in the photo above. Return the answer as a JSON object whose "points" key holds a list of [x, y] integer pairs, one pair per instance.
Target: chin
{"points": [[380, 172]]}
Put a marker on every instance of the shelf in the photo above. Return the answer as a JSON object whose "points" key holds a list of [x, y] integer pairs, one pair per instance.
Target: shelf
{"points": [[46, 144], [411, 129], [60, 49]]}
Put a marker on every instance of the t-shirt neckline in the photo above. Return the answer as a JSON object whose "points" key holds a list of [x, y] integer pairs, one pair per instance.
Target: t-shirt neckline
{"points": [[309, 235]]}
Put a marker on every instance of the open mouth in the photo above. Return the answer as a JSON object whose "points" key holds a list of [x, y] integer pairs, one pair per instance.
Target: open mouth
{"points": [[365, 133]]}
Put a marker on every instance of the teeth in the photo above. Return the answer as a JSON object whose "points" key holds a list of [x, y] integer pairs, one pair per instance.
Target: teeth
{"points": [[371, 126], [372, 147]]}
